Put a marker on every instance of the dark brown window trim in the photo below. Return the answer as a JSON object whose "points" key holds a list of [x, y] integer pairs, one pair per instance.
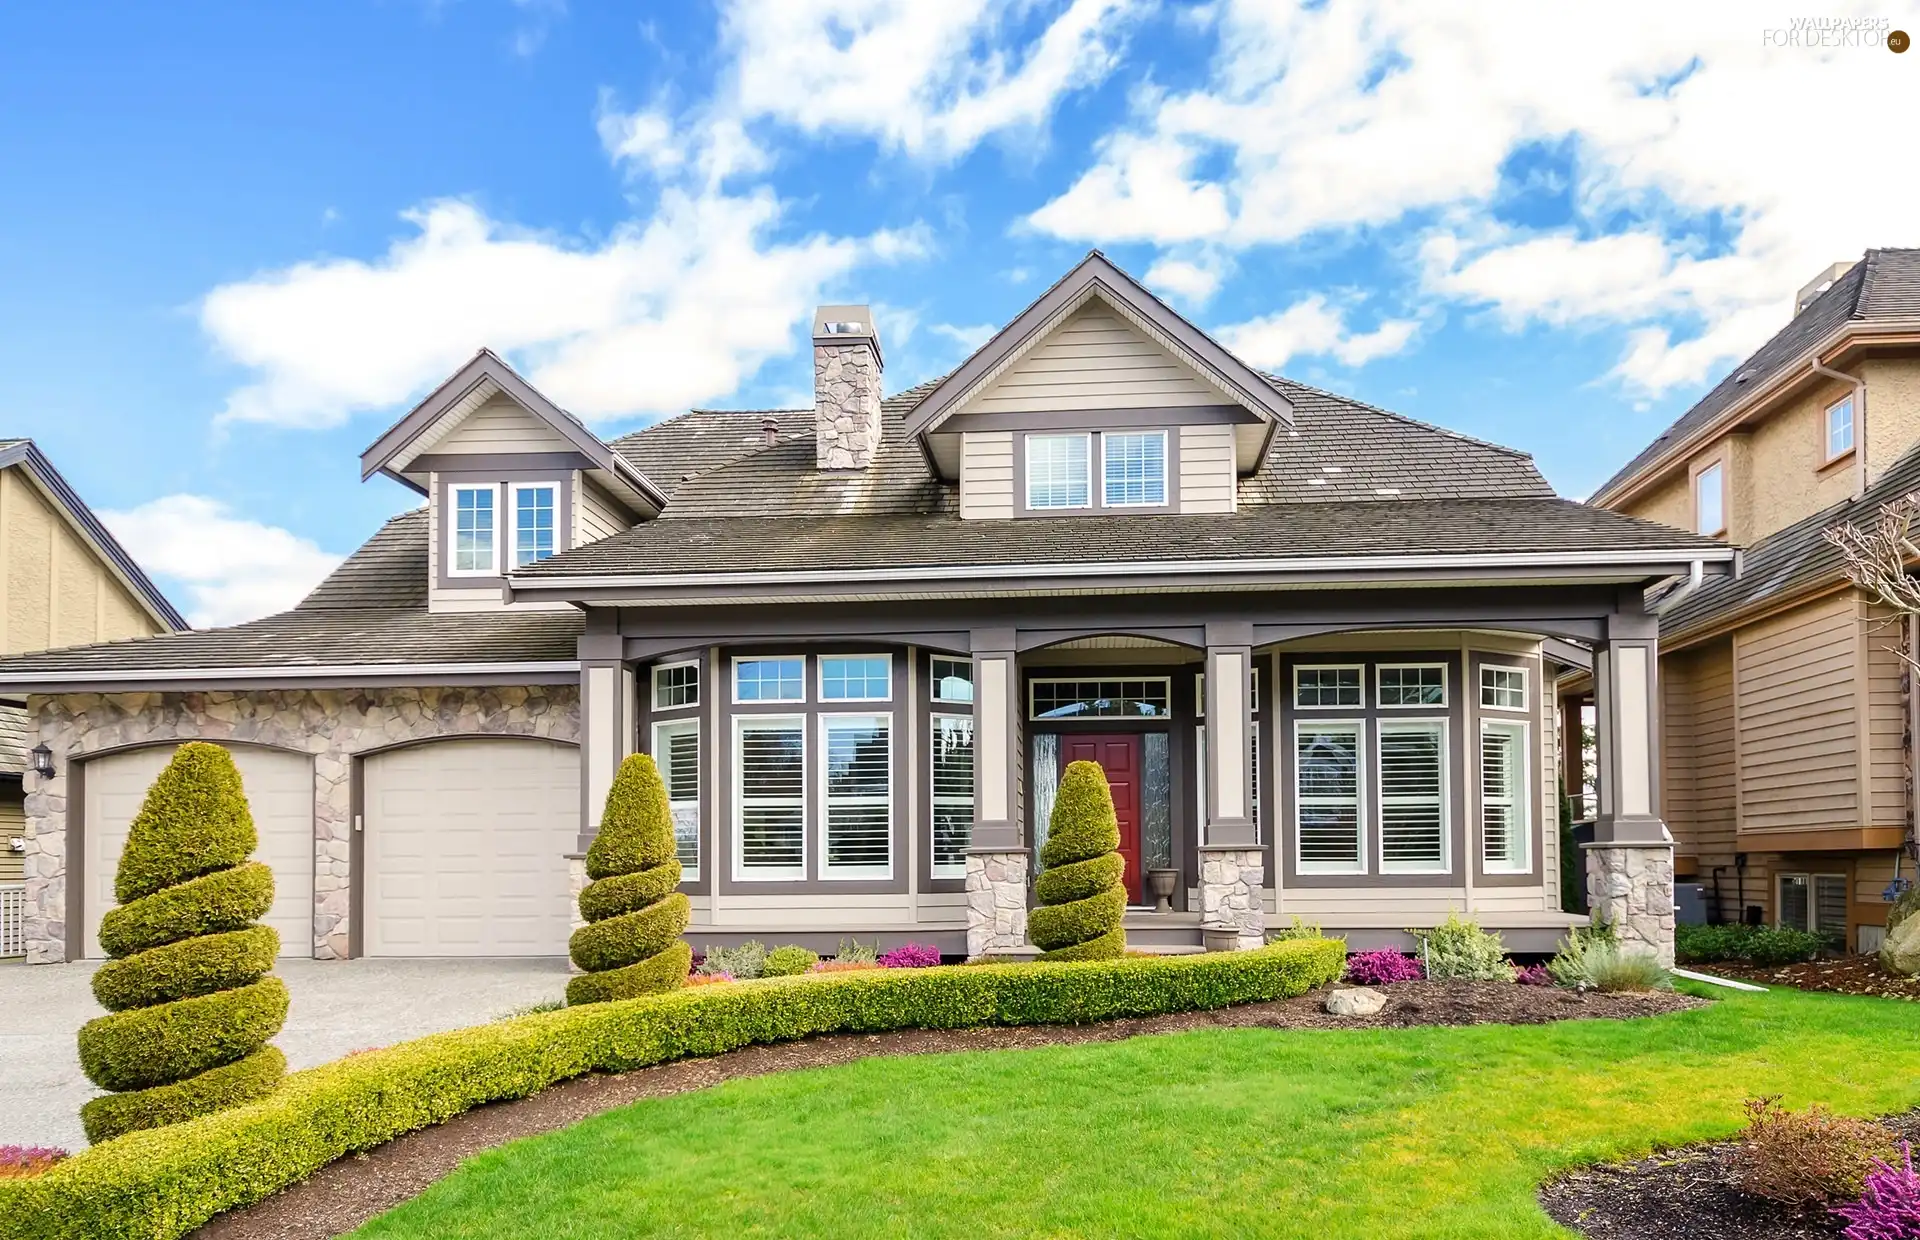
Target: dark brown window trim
{"points": [[1096, 489], [503, 524]]}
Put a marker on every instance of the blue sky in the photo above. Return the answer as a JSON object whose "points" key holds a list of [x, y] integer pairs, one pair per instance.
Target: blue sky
{"points": [[237, 240]]}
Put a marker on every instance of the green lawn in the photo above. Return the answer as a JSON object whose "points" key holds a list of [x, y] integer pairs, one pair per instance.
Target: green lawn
{"points": [[1325, 1135]]}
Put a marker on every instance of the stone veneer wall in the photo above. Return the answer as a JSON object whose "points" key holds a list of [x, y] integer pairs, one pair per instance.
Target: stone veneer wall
{"points": [[996, 903], [1630, 887], [846, 414], [1231, 896], [333, 725]]}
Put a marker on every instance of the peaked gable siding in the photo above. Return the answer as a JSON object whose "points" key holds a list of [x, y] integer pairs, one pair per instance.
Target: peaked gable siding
{"points": [[54, 591], [1095, 360], [498, 427]]}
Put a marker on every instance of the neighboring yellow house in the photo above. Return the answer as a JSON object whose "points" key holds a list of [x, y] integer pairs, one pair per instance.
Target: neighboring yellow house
{"points": [[1788, 767], [64, 581]]}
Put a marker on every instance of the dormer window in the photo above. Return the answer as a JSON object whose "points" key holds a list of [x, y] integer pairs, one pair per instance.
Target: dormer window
{"points": [[1133, 469], [1057, 471], [475, 540], [533, 514]]}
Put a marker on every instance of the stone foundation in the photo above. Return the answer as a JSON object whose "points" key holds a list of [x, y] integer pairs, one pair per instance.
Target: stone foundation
{"points": [[1630, 887], [1231, 882], [996, 902], [335, 726]]}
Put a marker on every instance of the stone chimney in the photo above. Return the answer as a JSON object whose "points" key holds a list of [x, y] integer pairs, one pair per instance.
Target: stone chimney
{"points": [[846, 387]]}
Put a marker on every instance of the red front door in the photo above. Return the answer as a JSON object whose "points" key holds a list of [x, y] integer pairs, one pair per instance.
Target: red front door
{"points": [[1119, 757]]}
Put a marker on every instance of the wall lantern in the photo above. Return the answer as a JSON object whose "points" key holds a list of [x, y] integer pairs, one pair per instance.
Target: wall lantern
{"points": [[43, 761]]}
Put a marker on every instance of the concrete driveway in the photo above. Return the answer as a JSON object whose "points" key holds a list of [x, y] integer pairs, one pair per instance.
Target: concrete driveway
{"points": [[338, 1006]]}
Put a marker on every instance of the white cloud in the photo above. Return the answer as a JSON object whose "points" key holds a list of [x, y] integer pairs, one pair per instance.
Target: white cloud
{"points": [[1194, 282], [968, 338], [1310, 327], [233, 569], [1357, 114]]}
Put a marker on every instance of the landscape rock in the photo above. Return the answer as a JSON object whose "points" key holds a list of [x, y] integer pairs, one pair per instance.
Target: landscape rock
{"points": [[1355, 1001], [1900, 953]]}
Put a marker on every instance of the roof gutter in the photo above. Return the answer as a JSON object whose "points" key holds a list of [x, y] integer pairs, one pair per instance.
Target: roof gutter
{"points": [[1695, 576], [1859, 422], [334, 671]]}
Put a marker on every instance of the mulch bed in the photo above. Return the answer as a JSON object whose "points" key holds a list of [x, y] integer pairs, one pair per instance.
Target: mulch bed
{"points": [[1847, 975], [346, 1194], [1684, 1194]]}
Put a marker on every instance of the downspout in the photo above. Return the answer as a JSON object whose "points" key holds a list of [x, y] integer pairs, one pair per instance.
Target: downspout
{"points": [[1859, 422], [1695, 575]]}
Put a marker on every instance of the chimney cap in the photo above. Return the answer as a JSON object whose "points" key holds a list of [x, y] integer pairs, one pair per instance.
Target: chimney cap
{"points": [[847, 325], [1819, 284]]}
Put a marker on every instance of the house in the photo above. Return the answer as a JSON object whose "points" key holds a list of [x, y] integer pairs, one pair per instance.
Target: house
{"points": [[64, 581], [1788, 769], [1308, 639]]}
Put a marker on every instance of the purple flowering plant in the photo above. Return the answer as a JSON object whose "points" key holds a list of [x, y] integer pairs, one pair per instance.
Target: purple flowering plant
{"points": [[1889, 1205], [1383, 968], [911, 956]]}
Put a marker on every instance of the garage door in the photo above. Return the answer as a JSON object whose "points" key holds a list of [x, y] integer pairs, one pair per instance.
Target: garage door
{"points": [[466, 845], [279, 792]]}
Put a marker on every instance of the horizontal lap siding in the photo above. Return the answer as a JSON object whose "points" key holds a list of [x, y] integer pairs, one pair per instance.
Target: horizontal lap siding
{"points": [[1886, 716], [1799, 765], [1698, 746], [1207, 478], [500, 426], [986, 474], [599, 516], [1095, 360]]}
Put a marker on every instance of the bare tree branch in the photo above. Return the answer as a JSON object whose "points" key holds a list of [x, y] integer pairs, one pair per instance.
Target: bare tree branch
{"points": [[1878, 559]]}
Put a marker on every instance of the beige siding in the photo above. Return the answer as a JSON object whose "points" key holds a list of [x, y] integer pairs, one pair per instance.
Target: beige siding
{"points": [[1207, 479], [1795, 697], [1881, 635], [500, 426], [599, 516], [54, 590], [1095, 360], [13, 822], [986, 474], [1697, 770]]}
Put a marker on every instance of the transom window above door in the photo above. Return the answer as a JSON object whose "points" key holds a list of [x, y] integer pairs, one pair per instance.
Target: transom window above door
{"points": [[1057, 471], [1151, 698]]}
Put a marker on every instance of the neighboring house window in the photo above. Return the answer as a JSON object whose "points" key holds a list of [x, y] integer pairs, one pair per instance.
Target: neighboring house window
{"points": [[770, 797], [676, 750], [858, 795], [1057, 471], [1318, 687], [474, 526], [1503, 688], [1414, 684], [1709, 500], [1413, 797], [856, 678], [1840, 428], [952, 680], [1133, 469], [1101, 699], [1816, 903], [1326, 774], [1505, 826], [952, 794], [533, 509], [676, 684], [770, 680]]}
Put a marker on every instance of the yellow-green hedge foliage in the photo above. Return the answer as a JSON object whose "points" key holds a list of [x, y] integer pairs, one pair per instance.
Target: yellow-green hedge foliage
{"points": [[634, 911], [161, 1184], [1082, 898]]}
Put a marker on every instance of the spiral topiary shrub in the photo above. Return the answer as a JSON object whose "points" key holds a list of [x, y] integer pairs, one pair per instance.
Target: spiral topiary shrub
{"points": [[190, 1004], [634, 909], [1082, 898]]}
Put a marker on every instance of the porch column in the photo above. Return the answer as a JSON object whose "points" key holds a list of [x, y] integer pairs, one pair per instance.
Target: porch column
{"points": [[607, 735], [1232, 868], [1630, 862], [997, 861]]}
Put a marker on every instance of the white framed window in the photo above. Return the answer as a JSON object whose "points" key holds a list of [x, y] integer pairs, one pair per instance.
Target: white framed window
{"points": [[1506, 825], [1503, 688], [856, 677], [473, 534], [1057, 471], [1133, 469], [1062, 698], [1840, 428], [952, 680], [1200, 693], [770, 798], [1329, 831], [1407, 686], [1413, 796], [1816, 903], [676, 685], [952, 794], [1328, 687], [535, 505], [1710, 500], [856, 791], [676, 751], [778, 679]]}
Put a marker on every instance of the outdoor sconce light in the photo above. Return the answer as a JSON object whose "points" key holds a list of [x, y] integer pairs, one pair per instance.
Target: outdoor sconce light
{"points": [[43, 761]]}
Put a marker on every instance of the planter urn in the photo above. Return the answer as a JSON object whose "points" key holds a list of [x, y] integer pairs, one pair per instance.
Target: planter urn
{"points": [[1161, 884]]}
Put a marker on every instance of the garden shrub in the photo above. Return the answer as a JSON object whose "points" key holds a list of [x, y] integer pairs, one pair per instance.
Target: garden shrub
{"points": [[1614, 967], [1568, 966], [1532, 975], [1459, 948], [163, 1184], [741, 963], [634, 910], [911, 956], [854, 951], [787, 961], [1759, 945], [190, 1005], [844, 966], [1806, 1158], [1382, 968], [1889, 1205], [1298, 930], [1080, 890], [708, 979]]}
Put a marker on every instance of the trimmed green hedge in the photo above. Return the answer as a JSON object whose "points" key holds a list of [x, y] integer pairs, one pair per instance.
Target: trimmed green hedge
{"points": [[789, 960], [163, 1183], [193, 821], [211, 904], [186, 969], [1083, 903], [634, 911], [147, 1046]]}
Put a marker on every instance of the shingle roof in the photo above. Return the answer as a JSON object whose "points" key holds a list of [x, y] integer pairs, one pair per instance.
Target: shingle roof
{"points": [[1884, 285], [389, 570], [1791, 560]]}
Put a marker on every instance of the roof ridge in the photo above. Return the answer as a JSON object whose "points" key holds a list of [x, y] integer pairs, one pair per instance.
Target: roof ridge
{"points": [[1401, 417]]}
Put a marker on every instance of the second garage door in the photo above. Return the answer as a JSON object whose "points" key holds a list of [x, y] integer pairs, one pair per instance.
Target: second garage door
{"points": [[466, 845]]}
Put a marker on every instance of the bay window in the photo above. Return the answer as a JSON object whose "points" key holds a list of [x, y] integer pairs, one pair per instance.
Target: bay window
{"points": [[676, 750], [952, 794], [1506, 829], [857, 794], [1413, 797], [1327, 775], [770, 797]]}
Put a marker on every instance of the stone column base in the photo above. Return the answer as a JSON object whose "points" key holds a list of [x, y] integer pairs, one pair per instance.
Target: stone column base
{"points": [[1232, 877], [1630, 887], [576, 883], [996, 902]]}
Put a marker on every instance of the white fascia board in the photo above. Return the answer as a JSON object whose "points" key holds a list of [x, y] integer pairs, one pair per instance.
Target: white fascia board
{"points": [[295, 672]]}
